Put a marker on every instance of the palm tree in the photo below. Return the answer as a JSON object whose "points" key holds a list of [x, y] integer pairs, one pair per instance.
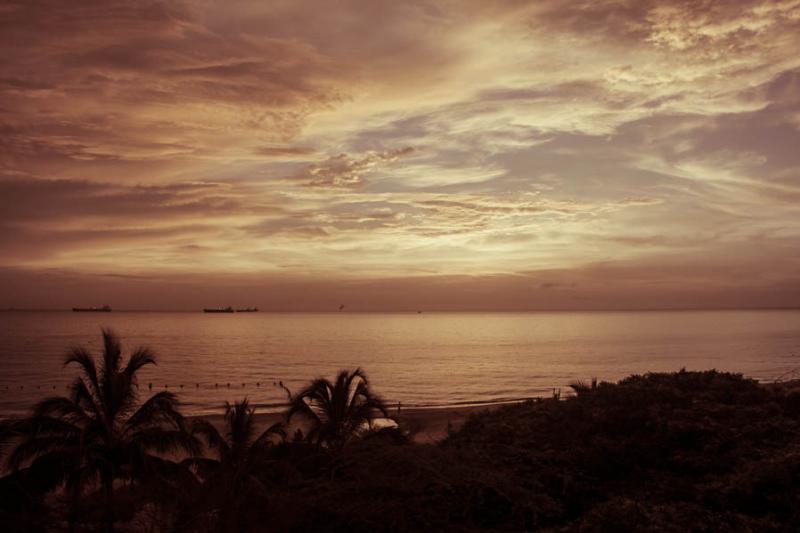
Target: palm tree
{"points": [[97, 435], [582, 388], [231, 476], [337, 412]]}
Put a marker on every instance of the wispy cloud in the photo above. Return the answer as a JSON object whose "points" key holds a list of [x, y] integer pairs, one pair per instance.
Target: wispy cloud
{"points": [[345, 171]]}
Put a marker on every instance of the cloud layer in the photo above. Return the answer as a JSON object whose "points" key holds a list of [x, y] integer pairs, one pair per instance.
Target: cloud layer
{"points": [[497, 144]]}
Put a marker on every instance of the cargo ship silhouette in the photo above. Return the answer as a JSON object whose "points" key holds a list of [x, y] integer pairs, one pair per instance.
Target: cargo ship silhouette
{"points": [[104, 309], [230, 309]]}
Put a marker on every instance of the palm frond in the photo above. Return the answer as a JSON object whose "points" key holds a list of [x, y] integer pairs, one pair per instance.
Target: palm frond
{"points": [[365, 410], [31, 448], [140, 358], [46, 426], [110, 393], [160, 408], [211, 435], [127, 397], [159, 469], [60, 407], [203, 466], [265, 439], [86, 399], [316, 395], [581, 387], [359, 378], [80, 356], [300, 406], [112, 353], [53, 468], [80, 477], [239, 418], [166, 441]]}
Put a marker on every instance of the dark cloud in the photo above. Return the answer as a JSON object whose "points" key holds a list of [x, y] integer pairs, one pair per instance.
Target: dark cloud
{"points": [[141, 80], [57, 201], [43, 218], [25, 243]]}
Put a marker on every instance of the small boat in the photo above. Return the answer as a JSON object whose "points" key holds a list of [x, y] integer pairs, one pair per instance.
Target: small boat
{"points": [[248, 310], [104, 309], [228, 309]]}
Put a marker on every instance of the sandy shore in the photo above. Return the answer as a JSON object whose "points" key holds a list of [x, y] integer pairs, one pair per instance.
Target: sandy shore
{"points": [[426, 425]]}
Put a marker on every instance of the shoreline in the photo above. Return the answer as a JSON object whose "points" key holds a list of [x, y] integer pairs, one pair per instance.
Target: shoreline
{"points": [[430, 425], [426, 425]]}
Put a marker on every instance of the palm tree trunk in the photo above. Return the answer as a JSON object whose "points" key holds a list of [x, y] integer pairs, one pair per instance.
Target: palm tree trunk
{"points": [[72, 504], [107, 481]]}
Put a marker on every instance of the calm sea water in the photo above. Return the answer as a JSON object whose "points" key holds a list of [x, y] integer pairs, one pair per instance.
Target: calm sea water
{"points": [[432, 359]]}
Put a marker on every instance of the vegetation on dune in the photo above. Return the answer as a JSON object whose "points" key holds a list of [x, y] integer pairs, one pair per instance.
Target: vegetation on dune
{"points": [[699, 451], [688, 451], [671, 451]]}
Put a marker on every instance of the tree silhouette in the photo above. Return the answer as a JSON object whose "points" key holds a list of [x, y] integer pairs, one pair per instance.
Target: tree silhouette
{"points": [[231, 477], [336, 412], [582, 388], [97, 435], [6, 435]]}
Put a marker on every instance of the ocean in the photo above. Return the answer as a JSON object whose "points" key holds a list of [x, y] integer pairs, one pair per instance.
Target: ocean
{"points": [[420, 360]]}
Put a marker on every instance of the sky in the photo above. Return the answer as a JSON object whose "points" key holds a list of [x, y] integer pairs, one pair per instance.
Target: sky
{"points": [[431, 154]]}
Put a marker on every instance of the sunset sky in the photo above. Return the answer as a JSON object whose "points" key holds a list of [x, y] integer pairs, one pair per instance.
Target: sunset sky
{"points": [[389, 155]]}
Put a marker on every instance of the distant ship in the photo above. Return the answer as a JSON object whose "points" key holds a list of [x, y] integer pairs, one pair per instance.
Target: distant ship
{"points": [[248, 310], [228, 309], [104, 309]]}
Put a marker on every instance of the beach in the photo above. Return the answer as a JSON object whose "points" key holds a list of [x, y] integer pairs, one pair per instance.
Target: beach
{"points": [[425, 426]]}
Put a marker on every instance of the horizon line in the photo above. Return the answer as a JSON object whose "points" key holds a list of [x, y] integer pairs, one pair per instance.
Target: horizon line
{"points": [[12, 309]]}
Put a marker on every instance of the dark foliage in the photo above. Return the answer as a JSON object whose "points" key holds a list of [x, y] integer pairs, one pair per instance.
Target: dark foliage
{"points": [[98, 437], [688, 451], [235, 479]]}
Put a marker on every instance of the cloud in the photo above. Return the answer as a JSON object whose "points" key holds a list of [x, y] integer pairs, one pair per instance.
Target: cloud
{"points": [[475, 140], [344, 171], [60, 201], [284, 151], [145, 80], [93, 223]]}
